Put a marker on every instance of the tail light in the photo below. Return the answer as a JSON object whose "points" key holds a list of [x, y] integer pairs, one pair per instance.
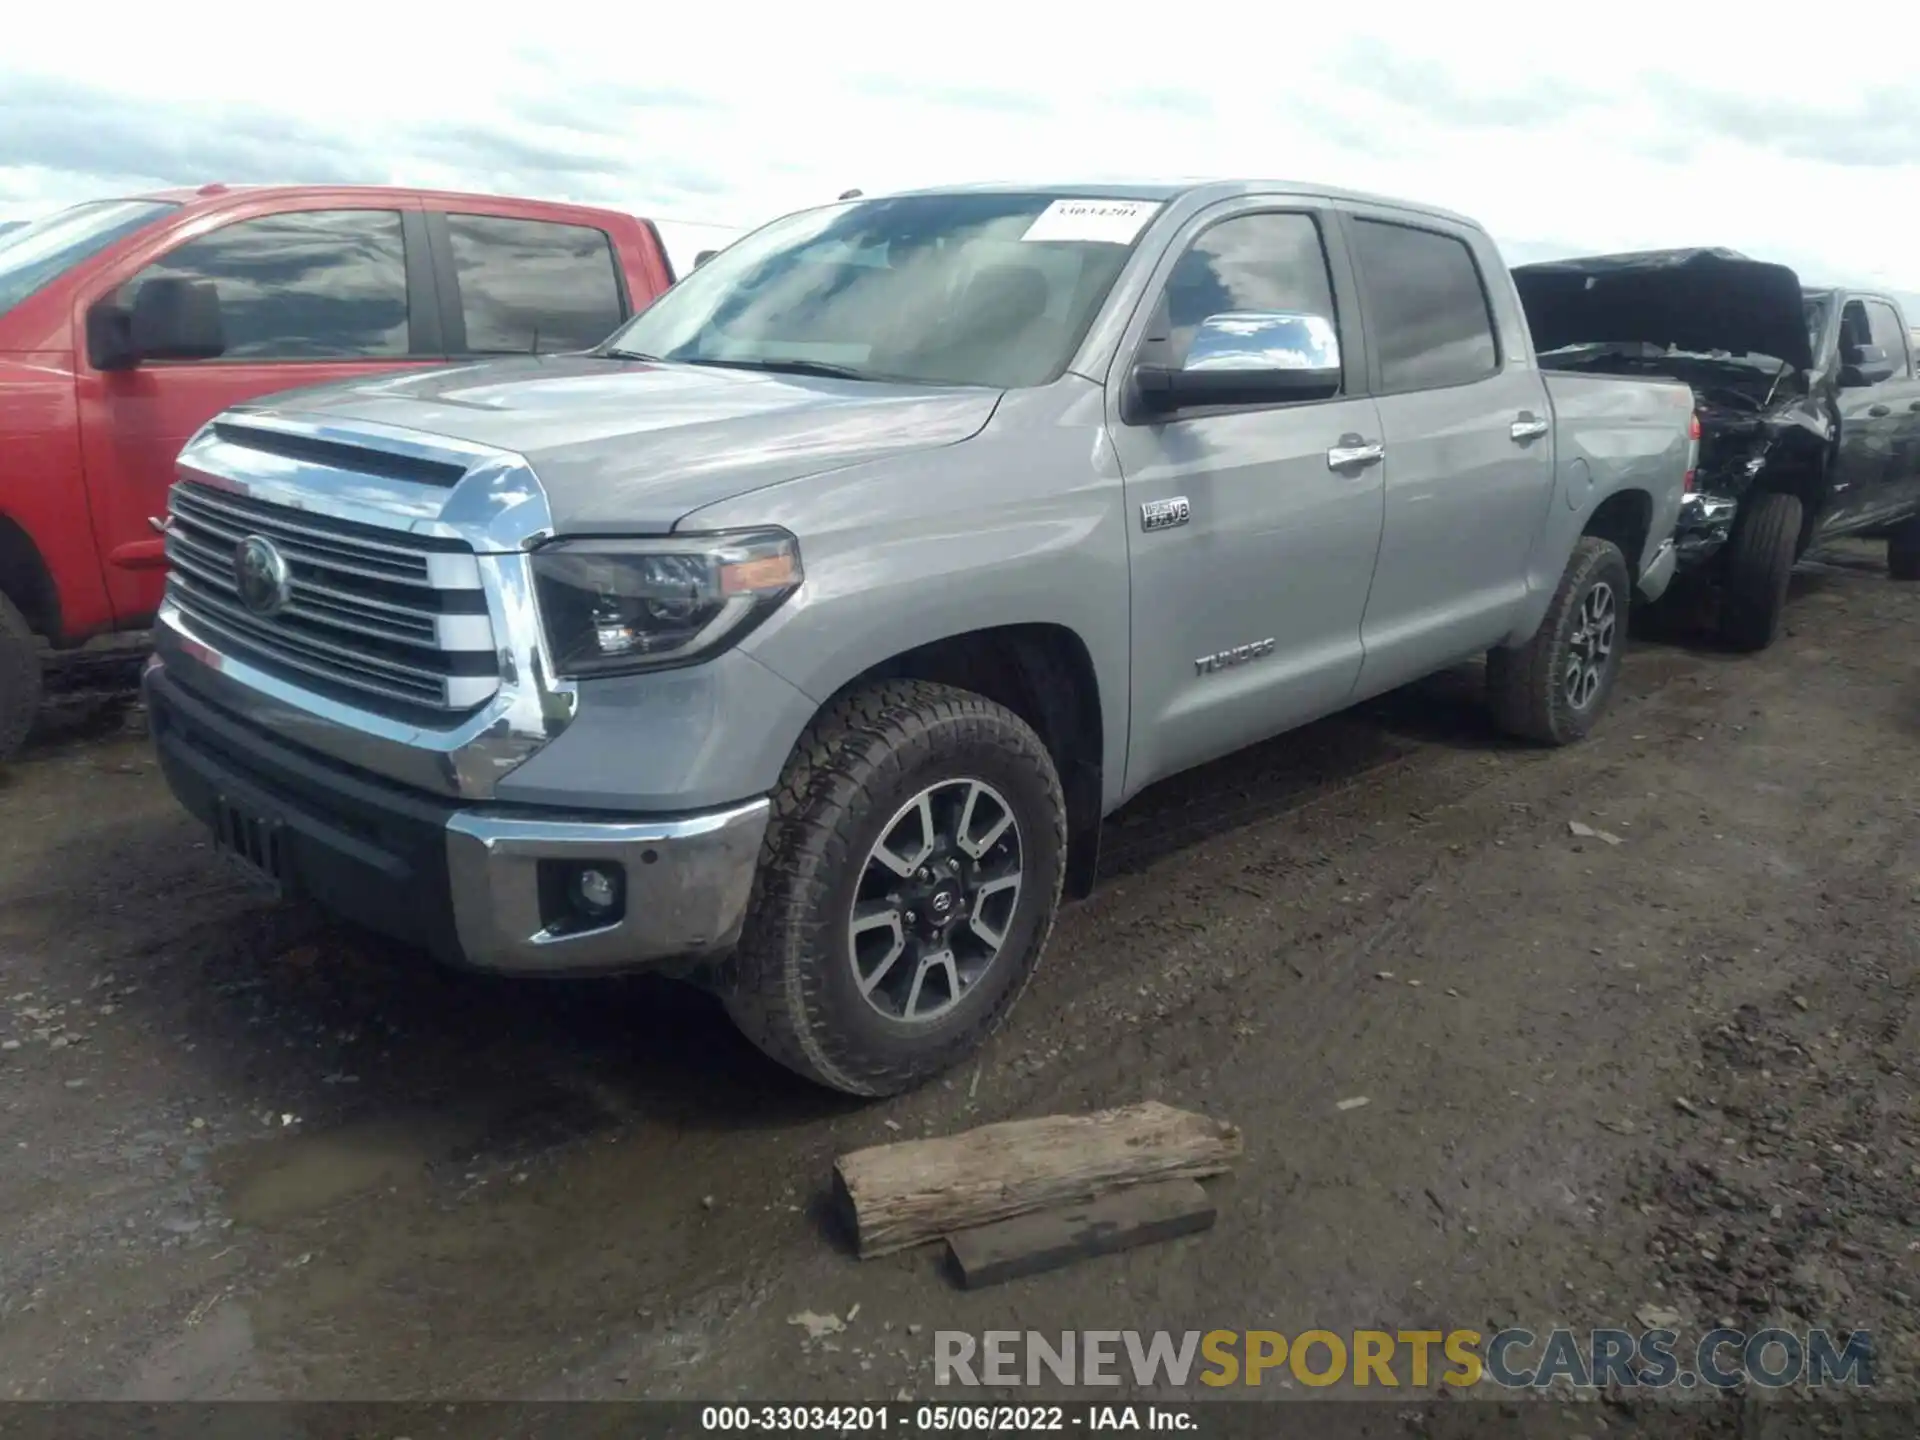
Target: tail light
{"points": [[1693, 427], [1693, 450]]}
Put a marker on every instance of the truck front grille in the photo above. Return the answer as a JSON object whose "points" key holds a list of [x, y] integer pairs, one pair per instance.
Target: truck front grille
{"points": [[387, 619]]}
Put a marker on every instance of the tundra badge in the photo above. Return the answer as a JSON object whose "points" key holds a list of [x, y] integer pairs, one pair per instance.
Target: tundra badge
{"points": [[1239, 655], [1165, 514]]}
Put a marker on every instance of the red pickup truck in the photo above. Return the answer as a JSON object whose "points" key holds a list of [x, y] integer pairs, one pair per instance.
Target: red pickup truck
{"points": [[127, 324]]}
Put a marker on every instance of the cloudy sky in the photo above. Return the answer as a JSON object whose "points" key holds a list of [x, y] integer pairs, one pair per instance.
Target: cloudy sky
{"points": [[1565, 128]]}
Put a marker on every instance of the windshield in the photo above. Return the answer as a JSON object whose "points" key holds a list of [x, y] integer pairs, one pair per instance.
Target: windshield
{"points": [[35, 254], [958, 289]]}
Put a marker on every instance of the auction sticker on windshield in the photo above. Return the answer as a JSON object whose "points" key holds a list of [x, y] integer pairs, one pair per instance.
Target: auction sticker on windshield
{"points": [[1108, 222]]}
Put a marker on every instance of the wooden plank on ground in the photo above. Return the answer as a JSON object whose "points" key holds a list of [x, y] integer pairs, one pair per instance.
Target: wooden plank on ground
{"points": [[904, 1194], [1047, 1239]]}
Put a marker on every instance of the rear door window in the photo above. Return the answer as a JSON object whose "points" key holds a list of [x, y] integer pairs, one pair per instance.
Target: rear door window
{"points": [[304, 285], [532, 286], [1428, 309]]}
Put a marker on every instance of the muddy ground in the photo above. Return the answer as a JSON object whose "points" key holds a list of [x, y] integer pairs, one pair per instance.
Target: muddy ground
{"points": [[244, 1154]]}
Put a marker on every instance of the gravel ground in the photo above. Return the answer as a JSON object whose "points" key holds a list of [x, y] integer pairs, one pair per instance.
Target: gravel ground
{"points": [[246, 1154]]}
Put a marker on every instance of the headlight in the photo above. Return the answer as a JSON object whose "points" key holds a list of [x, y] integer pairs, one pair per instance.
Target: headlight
{"points": [[618, 605]]}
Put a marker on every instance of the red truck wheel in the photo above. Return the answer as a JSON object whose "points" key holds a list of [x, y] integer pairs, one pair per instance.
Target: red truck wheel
{"points": [[19, 679]]}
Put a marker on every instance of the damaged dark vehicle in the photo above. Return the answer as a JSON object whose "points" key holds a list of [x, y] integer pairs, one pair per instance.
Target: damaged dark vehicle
{"points": [[1806, 404]]}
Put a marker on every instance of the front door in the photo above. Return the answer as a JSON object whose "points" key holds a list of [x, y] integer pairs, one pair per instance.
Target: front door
{"points": [[1469, 452], [306, 298], [1251, 553]]}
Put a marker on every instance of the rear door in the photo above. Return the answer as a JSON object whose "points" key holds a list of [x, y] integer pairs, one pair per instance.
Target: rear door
{"points": [[513, 285], [1469, 445], [307, 296], [1251, 553]]}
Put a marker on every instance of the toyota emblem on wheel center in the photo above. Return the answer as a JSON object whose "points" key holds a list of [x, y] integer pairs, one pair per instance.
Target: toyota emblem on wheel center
{"points": [[261, 575]]}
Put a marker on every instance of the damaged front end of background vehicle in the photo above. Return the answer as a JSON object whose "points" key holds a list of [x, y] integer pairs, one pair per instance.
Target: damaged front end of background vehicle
{"points": [[1739, 331]]}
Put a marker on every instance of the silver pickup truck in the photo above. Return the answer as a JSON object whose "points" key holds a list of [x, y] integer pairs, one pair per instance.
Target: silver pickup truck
{"points": [[797, 639]]}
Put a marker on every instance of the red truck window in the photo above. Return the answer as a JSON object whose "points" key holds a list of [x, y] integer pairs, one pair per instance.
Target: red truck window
{"points": [[531, 285], [305, 285], [33, 255]]}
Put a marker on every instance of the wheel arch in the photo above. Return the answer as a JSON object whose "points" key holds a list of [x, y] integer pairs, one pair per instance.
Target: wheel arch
{"points": [[1044, 673], [1801, 463], [1805, 477], [26, 580], [1625, 518]]}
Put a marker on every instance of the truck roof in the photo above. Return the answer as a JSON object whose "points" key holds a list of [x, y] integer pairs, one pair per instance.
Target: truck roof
{"points": [[1853, 292], [1203, 190], [188, 195]]}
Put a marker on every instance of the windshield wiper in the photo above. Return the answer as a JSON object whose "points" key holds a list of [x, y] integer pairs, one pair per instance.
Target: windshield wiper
{"points": [[790, 367], [618, 354]]}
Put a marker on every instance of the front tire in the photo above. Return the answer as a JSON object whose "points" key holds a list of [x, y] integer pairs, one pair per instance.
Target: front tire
{"points": [[1551, 689], [1759, 563], [19, 680], [1903, 550], [908, 884]]}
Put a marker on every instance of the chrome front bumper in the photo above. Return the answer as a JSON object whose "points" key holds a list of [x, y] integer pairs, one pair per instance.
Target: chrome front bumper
{"points": [[482, 886], [684, 882]]}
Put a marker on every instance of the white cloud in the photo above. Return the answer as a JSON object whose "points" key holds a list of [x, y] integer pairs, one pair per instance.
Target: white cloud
{"points": [[1564, 129]]}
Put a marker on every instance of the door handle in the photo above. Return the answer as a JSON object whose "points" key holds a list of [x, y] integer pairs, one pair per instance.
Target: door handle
{"points": [[1528, 427], [1877, 411], [1355, 453]]}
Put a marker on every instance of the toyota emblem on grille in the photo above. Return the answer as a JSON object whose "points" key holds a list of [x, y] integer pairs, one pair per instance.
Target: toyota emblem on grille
{"points": [[261, 575]]}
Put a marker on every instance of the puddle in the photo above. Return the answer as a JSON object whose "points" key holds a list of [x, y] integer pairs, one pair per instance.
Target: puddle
{"points": [[290, 1176]]}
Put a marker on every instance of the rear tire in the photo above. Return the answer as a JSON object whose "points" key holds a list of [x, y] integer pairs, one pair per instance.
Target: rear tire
{"points": [[1551, 689], [19, 680], [900, 774], [1759, 562], [1903, 550]]}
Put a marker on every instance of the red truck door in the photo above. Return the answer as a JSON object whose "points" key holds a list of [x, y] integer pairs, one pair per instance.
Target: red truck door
{"points": [[310, 292]]}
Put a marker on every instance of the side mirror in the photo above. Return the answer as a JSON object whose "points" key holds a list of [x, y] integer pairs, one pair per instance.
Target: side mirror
{"points": [[1247, 357], [109, 337], [1864, 365], [703, 257]]}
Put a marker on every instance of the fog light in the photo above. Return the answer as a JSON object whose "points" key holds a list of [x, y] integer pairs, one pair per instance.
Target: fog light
{"points": [[580, 895], [596, 890]]}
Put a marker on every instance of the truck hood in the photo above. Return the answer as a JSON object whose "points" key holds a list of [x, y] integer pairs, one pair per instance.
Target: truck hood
{"points": [[1700, 300], [624, 445]]}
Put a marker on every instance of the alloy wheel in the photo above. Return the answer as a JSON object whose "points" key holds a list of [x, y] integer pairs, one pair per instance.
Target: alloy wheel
{"points": [[1591, 645], [935, 900]]}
